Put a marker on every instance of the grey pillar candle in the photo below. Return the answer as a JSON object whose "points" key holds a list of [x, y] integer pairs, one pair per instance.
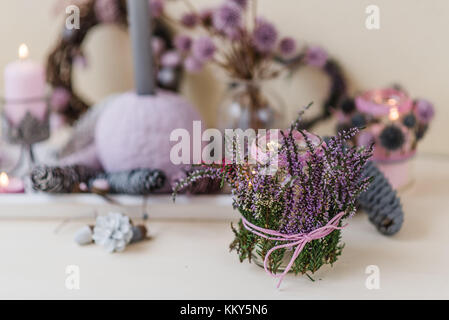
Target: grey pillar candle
{"points": [[139, 17]]}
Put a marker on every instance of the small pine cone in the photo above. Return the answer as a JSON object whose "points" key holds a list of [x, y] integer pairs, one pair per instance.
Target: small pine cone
{"points": [[381, 202], [60, 179], [133, 182]]}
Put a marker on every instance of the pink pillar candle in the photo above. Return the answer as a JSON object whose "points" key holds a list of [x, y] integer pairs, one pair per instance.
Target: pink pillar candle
{"points": [[25, 89]]}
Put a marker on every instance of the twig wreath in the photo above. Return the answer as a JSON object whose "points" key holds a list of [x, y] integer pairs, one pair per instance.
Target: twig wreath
{"points": [[68, 51], [338, 91]]}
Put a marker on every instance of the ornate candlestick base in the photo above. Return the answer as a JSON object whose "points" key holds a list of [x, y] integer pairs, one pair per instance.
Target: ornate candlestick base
{"points": [[26, 133]]}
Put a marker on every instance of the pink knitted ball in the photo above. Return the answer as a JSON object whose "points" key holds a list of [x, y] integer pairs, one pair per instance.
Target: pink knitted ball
{"points": [[134, 131]]}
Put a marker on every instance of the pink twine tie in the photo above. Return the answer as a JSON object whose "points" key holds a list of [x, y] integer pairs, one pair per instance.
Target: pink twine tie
{"points": [[296, 240]]}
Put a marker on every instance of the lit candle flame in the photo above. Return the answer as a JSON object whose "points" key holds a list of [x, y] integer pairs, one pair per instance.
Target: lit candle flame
{"points": [[23, 51], [392, 102], [4, 180], [394, 114]]}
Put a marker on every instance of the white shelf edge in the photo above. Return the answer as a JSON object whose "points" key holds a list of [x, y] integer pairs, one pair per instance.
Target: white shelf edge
{"points": [[42, 206]]}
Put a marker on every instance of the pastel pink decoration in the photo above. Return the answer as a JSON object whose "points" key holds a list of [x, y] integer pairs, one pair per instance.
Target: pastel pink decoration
{"points": [[193, 65], [25, 89], [294, 241], [10, 184], [101, 184], [57, 121], [398, 173], [134, 132], [380, 102], [86, 157]]}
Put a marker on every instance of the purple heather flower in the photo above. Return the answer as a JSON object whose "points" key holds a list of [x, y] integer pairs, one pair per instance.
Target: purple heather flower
{"points": [[189, 20], [183, 43], [171, 59], [193, 65], [287, 47], [60, 99], [265, 37], [227, 17], [203, 49], [241, 3], [106, 11], [424, 111], [157, 8], [234, 34], [316, 57]]}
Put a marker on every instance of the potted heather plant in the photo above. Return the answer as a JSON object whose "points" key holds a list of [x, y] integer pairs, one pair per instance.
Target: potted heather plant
{"points": [[293, 191]]}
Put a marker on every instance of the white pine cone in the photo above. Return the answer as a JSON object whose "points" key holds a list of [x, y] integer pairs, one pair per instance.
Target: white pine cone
{"points": [[113, 232]]}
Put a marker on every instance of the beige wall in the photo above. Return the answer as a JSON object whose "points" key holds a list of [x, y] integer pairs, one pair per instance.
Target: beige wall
{"points": [[411, 48]]}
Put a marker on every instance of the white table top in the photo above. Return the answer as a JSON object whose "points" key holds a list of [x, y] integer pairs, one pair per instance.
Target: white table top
{"points": [[190, 258]]}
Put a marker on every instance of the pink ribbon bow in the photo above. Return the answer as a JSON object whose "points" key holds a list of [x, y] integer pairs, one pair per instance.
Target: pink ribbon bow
{"points": [[296, 240]]}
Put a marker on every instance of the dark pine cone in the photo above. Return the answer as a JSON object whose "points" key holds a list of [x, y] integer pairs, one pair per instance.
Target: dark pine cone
{"points": [[381, 202]]}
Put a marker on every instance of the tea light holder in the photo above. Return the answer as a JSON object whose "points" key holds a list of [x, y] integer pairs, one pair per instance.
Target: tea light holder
{"points": [[30, 130], [394, 123], [10, 185]]}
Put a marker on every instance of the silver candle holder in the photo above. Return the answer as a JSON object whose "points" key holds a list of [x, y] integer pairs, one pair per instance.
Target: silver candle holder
{"points": [[29, 131]]}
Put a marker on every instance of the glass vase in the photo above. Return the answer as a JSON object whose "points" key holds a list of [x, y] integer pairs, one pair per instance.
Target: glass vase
{"points": [[251, 104]]}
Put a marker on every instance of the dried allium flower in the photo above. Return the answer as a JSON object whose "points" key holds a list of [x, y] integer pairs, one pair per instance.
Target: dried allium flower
{"points": [[183, 43], [189, 20], [265, 37], [234, 34], [241, 3], [287, 47], [192, 64], [171, 59], [424, 111], [203, 49], [316, 56], [227, 17], [106, 11]]}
